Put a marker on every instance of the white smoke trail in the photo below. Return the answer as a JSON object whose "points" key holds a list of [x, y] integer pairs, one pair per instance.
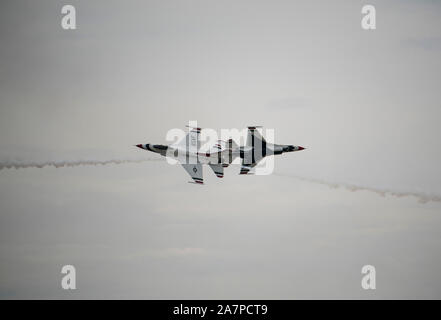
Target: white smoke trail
{"points": [[421, 197], [21, 164], [18, 164]]}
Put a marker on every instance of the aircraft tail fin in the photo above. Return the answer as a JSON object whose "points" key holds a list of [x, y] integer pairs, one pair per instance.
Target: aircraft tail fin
{"points": [[231, 144], [232, 151]]}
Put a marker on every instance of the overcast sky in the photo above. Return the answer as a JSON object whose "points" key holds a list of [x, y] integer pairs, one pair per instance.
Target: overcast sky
{"points": [[365, 104]]}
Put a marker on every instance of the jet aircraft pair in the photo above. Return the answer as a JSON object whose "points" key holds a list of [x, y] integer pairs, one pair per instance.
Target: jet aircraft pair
{"points": [[221, 155]]}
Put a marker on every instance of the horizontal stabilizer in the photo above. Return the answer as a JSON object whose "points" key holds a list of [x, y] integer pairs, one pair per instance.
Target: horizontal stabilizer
{"points": [[218, 169]]}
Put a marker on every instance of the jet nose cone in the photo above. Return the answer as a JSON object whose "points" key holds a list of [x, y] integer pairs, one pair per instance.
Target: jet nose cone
{"points": [[139, 146], [301, 148]]}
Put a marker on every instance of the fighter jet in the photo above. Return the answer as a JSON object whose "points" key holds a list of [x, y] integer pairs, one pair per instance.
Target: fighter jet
{"points": [[257, 148], [221, 155]]}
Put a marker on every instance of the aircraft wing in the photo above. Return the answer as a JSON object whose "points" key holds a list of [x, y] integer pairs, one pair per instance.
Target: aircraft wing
{"points": [[257, 143], [195, 171], [254, 137]]}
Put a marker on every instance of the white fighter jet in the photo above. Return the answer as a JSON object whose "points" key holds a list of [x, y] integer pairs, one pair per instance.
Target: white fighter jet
{"points": [[221, 155]]}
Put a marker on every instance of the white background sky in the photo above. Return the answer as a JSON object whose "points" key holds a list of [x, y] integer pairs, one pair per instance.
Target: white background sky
{"points": [[366, 104]]}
